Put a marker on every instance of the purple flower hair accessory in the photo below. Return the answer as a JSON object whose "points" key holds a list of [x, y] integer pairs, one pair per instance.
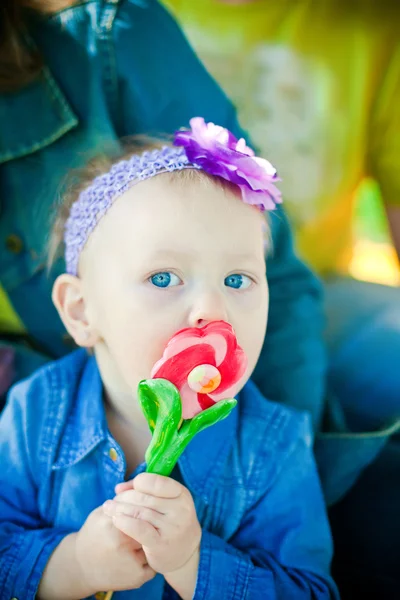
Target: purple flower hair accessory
{"points": [[218, 152], [205, 146]]}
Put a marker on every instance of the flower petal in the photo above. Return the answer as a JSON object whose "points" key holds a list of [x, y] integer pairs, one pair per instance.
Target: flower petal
{"points": [[177, 368], [232, 369], [213, 334], [190, 402], [260, 199], [178, 344], [216, 345], [205, 401], [241, 147], [218, 152]]}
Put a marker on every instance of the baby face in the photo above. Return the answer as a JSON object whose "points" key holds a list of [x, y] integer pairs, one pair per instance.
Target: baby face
{"points": [[171, 254]]}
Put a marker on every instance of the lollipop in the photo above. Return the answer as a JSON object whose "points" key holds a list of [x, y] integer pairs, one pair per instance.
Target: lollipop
{"points": [[190, 389]]}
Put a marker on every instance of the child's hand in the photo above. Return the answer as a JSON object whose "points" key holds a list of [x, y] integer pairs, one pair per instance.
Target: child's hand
{"points": [[109, 559], [159, 513]]}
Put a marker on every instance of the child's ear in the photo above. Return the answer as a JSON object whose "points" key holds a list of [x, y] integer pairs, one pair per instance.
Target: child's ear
{"points": [[69, 301]]}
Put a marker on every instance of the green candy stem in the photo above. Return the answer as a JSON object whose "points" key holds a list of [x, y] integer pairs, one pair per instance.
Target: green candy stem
{"points": [[162, 407]]}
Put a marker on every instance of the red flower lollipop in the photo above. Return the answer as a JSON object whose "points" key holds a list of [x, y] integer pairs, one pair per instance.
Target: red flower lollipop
{"points": [[204, 364]]}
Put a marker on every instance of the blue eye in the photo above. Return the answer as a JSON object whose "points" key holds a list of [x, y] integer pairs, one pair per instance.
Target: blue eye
{"points": [[238, 281], [165, 279]]}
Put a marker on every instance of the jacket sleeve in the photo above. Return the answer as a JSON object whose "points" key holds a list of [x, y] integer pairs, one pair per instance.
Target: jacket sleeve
{"points": [[282, 549], [176, 86], [26, 540]]}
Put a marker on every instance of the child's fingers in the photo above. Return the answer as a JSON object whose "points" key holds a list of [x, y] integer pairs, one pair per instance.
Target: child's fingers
{"points": [[161, 505], [157, 485], [112, 509], [137, 529], [124, 486]]}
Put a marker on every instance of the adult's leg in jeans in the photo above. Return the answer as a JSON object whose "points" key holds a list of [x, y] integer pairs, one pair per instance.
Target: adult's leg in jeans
{"points": [[366, 531], [363, 338]]}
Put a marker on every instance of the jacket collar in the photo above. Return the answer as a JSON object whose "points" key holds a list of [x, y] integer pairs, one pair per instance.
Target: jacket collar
{"points": [[22, 133], [86, 424]]}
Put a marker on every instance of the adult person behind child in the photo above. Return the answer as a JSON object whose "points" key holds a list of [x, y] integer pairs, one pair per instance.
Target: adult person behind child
{"points": [[318, 87]]}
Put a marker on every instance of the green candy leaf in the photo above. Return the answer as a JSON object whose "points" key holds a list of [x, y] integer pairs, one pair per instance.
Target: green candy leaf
{"points": [[162, 407], [160, 401], [208, 417]]}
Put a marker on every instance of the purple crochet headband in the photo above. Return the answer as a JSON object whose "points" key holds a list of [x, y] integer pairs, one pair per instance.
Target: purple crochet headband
{"points": [[205, 146]]}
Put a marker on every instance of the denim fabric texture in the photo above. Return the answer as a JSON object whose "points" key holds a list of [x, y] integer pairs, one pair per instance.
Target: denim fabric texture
{"points": [[252, 477]]}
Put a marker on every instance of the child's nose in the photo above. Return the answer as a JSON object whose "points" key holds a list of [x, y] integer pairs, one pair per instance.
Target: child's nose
{"points": [[207, 307]]}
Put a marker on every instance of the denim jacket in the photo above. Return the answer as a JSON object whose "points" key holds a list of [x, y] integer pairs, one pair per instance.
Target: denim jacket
{"points": [[252, 477]]}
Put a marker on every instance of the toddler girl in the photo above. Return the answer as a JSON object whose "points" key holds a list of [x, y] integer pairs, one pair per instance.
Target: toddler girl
{"points": [[169, 238]]}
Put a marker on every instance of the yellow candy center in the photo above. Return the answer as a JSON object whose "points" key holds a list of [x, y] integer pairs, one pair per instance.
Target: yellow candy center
{"points": [[204, 379]]}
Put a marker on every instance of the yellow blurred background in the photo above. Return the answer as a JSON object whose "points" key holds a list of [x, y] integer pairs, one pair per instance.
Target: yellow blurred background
{"points": [[374, 257], [322, 111]]}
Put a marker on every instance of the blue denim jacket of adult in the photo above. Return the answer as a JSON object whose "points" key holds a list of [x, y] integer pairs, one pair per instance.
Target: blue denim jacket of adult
{"points": [[121, 67], [252, 477]]}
